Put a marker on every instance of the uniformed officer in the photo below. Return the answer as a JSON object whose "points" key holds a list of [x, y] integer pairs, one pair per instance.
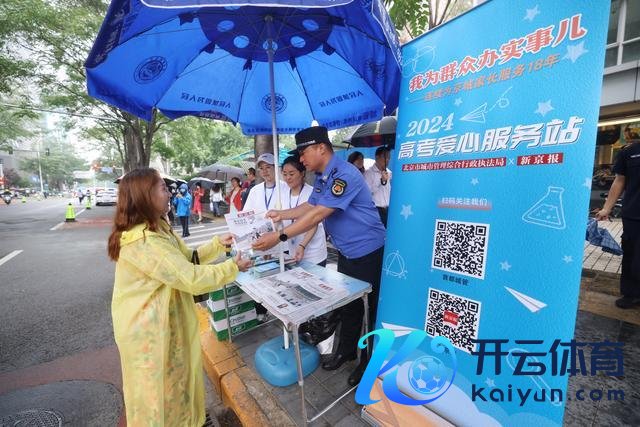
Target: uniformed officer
{"points": [[627, 181], [343, 201]]}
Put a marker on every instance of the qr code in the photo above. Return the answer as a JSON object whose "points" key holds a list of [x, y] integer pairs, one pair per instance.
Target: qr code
{"points": [[460, 247], [453, 317]]}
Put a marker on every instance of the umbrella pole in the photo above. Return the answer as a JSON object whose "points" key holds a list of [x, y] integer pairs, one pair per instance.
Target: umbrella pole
{"points": [[274, 127], [274, 135]]}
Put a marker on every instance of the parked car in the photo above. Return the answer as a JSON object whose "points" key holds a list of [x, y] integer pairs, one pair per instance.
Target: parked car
{"points": [[106, 196]]}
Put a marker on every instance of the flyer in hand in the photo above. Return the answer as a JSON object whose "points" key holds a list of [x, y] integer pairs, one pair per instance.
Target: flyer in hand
{"points": [[247, 227], [296, 292]]}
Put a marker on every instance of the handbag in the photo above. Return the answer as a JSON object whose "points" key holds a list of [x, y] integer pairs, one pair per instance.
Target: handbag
{"points": [[195, 259]]}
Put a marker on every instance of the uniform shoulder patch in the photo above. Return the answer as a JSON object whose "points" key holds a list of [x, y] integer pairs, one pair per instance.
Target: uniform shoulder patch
{"points": [[338, 186]]}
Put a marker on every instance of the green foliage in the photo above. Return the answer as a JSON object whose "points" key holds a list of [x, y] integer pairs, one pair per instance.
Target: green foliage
{"points": [[342, 134], [58, 167], [191, 143], [409, 15], [13, 179]]}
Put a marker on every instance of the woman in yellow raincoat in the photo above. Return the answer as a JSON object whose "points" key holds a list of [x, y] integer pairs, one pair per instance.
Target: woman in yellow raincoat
{"points": [[154, 318]]}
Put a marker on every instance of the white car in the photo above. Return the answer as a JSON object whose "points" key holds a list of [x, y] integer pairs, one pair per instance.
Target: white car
{"points": [[106, 196]]}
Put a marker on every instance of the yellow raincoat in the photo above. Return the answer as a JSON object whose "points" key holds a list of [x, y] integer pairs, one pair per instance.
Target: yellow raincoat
{"points": [[156, 328]]}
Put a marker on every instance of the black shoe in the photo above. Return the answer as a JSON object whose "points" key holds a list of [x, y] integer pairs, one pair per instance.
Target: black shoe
{"points": [[337, 360], [356, 376], [627, 302]]}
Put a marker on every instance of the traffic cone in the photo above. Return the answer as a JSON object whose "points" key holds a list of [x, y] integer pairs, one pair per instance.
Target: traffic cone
{"points": [[71, 214], [88, 205]]}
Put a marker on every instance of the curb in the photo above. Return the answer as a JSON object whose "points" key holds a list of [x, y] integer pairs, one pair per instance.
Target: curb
{"points": [[240, 388]]}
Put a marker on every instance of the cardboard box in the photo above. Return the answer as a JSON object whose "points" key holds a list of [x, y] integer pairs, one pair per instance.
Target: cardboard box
{"points": [[218, 295], [239, 323], [218, 312]]}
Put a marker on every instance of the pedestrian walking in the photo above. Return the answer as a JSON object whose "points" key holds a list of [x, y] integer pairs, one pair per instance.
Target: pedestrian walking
{"points": [[215, 197], [198, 193], [182, 202], [154, 319]]}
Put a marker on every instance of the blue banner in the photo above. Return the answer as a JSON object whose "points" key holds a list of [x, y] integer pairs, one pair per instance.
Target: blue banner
{"points": [[492, 175]]}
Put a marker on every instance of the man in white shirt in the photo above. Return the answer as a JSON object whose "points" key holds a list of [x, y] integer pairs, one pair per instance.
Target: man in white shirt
{"points": [[264, 196], [378, 178]]}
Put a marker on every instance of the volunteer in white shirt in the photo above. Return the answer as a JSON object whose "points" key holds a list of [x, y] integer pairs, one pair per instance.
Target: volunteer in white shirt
{"points": [[378, 178], [311, 246], [263, 196]]}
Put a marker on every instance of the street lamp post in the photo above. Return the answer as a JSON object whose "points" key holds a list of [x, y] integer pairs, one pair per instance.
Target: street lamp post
{"points": [[40, 169]]}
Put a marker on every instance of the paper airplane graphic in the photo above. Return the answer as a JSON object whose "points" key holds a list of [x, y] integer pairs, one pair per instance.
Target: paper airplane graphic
{"points": [[477, 115], [398, 330], [531, 303]]}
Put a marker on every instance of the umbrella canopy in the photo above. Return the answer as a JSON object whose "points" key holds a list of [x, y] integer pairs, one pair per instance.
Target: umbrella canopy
{"points": [[336, 62], [221, 172], [205, 182], [375, 134]]}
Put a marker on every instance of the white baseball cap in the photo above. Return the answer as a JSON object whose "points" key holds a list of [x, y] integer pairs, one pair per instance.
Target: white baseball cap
{"points": [[265, 157]]}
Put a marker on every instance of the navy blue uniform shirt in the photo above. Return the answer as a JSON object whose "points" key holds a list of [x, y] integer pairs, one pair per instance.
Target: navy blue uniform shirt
{"points": [[628, 164], [354, 226]]}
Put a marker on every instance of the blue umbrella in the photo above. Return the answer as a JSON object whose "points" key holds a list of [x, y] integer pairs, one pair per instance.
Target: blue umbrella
{"points": [[267, 68]]}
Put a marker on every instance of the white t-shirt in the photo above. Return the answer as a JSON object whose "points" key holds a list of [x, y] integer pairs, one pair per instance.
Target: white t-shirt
{"points": [[215, 196], [261, 199], [316, 250], [379, 193]]}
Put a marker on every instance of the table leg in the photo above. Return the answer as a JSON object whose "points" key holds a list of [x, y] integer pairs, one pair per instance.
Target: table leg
{"points": [[365, 301], [296, 344]]}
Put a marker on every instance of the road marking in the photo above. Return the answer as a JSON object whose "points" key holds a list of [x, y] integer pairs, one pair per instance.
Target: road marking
{"points": [[57, 226], [11, 255]]}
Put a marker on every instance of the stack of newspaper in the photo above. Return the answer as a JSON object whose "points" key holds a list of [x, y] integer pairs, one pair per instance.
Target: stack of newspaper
{"points": [[296, 293], [239, 310]]}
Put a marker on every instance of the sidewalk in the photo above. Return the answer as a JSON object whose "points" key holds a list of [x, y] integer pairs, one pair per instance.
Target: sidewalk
{"points": [[598, 319], [595, 259]]}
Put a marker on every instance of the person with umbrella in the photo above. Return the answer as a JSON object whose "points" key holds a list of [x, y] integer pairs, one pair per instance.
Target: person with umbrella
{"points": [[343, 201], [198, 193], [357, 159], [378, 178], [215, 198]]}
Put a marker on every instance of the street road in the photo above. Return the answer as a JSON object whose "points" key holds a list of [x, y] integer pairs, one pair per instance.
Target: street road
{"points": [[56, 336]]}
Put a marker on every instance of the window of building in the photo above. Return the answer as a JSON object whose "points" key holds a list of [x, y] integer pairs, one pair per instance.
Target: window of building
{"points": [[623, 36]]}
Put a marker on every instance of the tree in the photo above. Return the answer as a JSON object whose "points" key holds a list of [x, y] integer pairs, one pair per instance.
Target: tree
{"points": [[44, 45], [13, 179], [417, 16], [190, 143], [57, 167], [14, 127], [342, 134]]}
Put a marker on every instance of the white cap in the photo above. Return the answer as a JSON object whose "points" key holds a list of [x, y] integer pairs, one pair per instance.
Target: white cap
{"points": [[265, 157]]}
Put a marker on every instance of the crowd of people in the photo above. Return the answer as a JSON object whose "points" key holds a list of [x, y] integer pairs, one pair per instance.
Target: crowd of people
{"points": [[155, 278]]}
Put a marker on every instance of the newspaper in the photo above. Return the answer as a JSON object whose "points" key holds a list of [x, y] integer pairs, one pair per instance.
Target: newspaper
{"points": [[296, 293], [246, 228]]}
